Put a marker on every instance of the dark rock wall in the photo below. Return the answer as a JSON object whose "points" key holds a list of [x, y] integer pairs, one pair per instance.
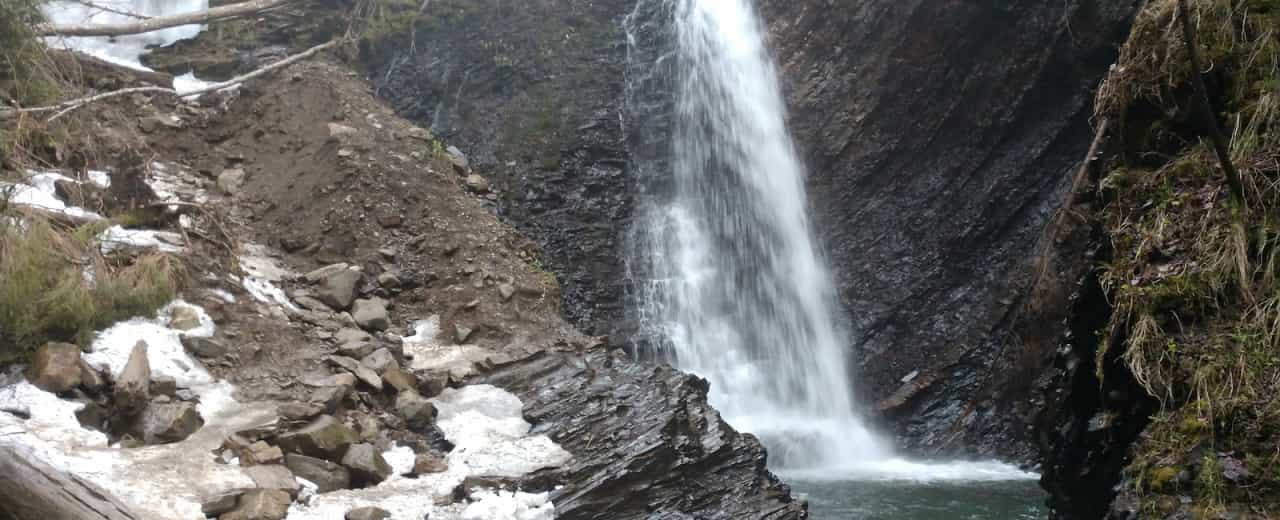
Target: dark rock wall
{"points": [[941, 136]]}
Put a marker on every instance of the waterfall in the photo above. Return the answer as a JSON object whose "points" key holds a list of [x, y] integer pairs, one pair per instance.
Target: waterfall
{"points": [[729, 280]]}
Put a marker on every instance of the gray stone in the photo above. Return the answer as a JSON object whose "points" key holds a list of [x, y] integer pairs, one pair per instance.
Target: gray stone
{"points": [[400, 380], [421, 134], [338, 289], [90, 378], [477, 183], [417, 411], [231, 180], [355, 349], [350, 335], [428, 463], [220, 503], [276, 477], [324, 437], [367, 466], [380, 360], [311, 304], [365, 374], [183, 317], [56, 367], [297, 411], [459, 159], [133, 387], [506, 291], [327, 476], [387, 252], [162, 423], [204, 347], [261, 453], [368, 513], [164, 385], [371, 314], [338, 130], [261, 504], [330, 397], [389, 280], [461, 333], [324, 272]]}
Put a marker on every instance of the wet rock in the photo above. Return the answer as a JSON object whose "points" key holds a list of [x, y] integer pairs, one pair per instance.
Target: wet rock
{"points": [[428, 463], [349, 335], [56, 367], [400, 380], [327, 476], [338, 289], [356, 349], [92, 415], [274, 477], [163, 423], [477, 184], [261, 504], [718, 473], [371, 314], [231, 180], [417, 411], [164, 385], [260, 453], [368, 513], [204, 347], [133, 387], [380, 360], [431, 383], [184, 317], [366, 464], [324, 437]]}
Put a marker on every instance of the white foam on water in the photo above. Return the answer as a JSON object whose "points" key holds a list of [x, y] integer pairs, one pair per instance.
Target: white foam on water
{"points": [[904, 470]]}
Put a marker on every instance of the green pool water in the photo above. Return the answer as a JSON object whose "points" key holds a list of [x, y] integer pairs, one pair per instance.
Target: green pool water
{"points": [[896, 500]]}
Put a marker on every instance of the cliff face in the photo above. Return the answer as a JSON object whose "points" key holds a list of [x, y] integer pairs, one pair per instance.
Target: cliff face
{"points": [[941, 137]]}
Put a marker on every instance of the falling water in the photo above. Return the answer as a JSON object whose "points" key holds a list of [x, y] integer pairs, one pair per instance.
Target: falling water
{"points": [[731, 284]]}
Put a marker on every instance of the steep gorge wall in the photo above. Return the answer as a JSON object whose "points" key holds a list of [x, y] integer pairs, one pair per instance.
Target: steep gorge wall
{"points": [[941, 137]]}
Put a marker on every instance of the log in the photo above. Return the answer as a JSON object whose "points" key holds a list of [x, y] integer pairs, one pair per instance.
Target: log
{"points": [[33, 490], [161, 22]]}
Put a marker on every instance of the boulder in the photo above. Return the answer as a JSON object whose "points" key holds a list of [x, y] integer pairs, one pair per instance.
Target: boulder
{"points": [[349, 335], [366, 464], [204, 347], [260, 504], [338, 289], [461, 333], [163, 423], [363, 373], [220, 503], [231, 180], [428, 463], [389, 280], [368, 513], [133, 387], [164, 385], [460, 162], [184, 317], [330, 397], [400, 380], [380, 360], [355, 349], [416, 410], [274, 477], [371, 314], [90, 378], [477, 183], [324, 437], [311, 304], [299, 411], [261, 453], [56, 367], [317, 275], [506, 291], [327, 476]]}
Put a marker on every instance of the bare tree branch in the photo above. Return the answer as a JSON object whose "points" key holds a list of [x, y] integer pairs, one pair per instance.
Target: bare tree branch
{"points": [[161, 22], [67, 106], [111, 10]]}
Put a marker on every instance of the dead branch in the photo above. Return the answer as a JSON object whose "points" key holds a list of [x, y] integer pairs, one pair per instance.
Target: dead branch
{"points": [[1220, 144], [111, 10], [67, 106], [161, 22]]}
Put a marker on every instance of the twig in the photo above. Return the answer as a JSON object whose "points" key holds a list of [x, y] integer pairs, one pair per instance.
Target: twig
{"points": [[111, 10], [160, 22], [1220, 144], [68, 106]]}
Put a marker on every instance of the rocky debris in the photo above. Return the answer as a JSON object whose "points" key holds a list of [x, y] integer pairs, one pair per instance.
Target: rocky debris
{"points": [[162, 423], [371, 314], [366, 464], [324, 437], [380, 360], [56, 367], [337, 288], [459, 160], [204, 347], [355, 349], [400, 380], [164, 385], [184, 317], [428, 463], [298, 411], [220, 503], [506, 291], [327, 476], [330, 397], [718, 473], [477, 184], [368, 513], [261, 453], [231, 180], [417, 411], [315, 276], [338, 130], [390, 221], [349, 335], [311, 304], [389, 280], [365, 374], [274, 477], [133, 387], [260, 504]]}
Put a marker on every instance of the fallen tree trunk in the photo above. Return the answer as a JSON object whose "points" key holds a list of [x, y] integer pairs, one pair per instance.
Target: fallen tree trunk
{"points": [[161, 22], [33, 490]]}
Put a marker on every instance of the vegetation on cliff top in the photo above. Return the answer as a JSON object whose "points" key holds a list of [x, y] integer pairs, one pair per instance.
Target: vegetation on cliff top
{"points": [[1194, 279]]}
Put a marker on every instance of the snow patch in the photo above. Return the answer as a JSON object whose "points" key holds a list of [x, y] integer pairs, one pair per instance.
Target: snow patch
{"points": [[111, 348], [505, 505], [263, 275], [116, 238], [40, 191]]}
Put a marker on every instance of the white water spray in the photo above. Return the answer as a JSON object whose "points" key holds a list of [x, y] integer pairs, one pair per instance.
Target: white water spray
{"points": [[736, 289]]}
